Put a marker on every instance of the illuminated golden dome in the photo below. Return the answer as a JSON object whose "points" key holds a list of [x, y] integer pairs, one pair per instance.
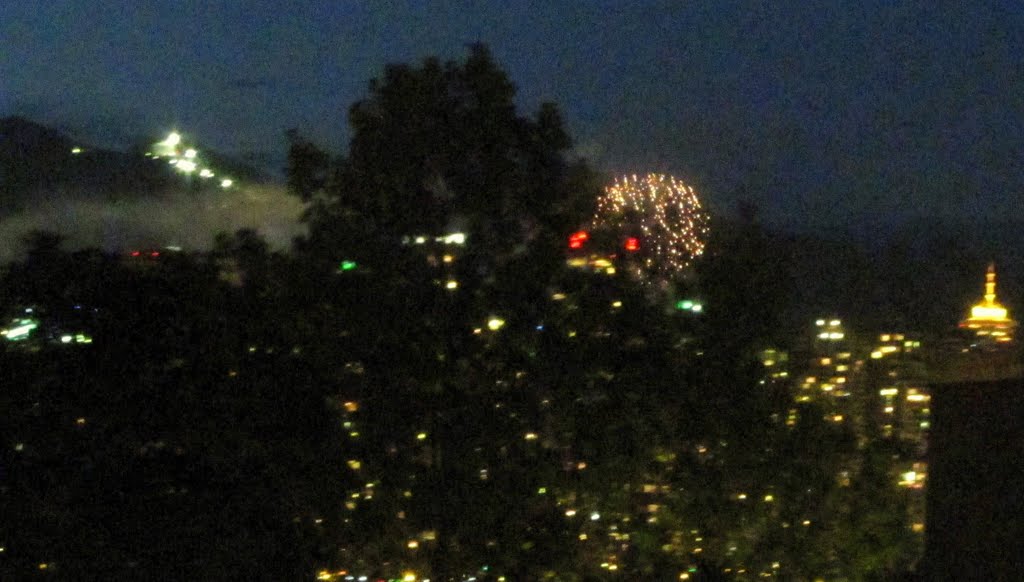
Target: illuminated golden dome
{"points": [[989, 317]]}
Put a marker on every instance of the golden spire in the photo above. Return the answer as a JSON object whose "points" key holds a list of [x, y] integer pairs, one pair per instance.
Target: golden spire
{"points": [[990, 285], [989, 318]]}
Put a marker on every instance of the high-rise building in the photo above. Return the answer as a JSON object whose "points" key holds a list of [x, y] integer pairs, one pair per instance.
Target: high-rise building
{"points": [[899, 398], [989, 321], [829, 369], [974, 514]]}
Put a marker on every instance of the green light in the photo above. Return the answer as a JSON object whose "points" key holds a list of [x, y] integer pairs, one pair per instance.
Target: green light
{"points": [[689, 305], [347, 266], [22, 331]]}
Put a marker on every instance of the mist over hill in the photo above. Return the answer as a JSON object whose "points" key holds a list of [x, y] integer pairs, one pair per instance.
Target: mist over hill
{"points": [[118, 200]]}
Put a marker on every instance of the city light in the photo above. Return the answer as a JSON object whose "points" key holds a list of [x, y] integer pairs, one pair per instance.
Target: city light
{"points": [[410, 389], [173, 139], [577, 239], [689, 305], [455, 238], [21, 330]]}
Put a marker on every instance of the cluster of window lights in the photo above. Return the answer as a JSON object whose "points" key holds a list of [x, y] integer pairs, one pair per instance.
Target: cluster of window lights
{"points": [[900, 398], [913, 478], [78, 338], [832, 329], [186, 160], [328, 575], [894, 343], [588, 518], [455, 238], [22, 328], [596, 262]]}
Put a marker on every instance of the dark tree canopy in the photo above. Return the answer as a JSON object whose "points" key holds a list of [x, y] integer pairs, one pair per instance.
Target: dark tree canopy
{"points": [[441, 148], [389, 397]]}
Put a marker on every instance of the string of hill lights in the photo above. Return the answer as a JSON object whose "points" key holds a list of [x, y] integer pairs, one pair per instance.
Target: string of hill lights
{"points": [[664, 212], [184, 160]]}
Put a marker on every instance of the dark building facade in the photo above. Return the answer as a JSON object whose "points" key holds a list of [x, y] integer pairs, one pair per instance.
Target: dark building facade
{"points": [[975, 501]]}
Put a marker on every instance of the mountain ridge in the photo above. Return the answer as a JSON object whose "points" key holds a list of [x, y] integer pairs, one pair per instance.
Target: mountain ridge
{"points": [[39, 162]]}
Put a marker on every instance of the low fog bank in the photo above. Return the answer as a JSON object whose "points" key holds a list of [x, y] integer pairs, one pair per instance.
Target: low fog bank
{"points": [[190, 220]]}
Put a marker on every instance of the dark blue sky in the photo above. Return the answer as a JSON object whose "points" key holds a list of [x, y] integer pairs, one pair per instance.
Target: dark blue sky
{"points": [[860, 112]]}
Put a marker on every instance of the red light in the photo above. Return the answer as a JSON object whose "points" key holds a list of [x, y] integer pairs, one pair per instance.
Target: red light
{"points": [[577, 239], [136, 253], [154, 254], [632, 244]]}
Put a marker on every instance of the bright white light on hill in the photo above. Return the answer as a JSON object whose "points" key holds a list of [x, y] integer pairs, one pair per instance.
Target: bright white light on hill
{"points": [[186, 166], [226, 183], [190, 153], [173, 139], [205, 173]]}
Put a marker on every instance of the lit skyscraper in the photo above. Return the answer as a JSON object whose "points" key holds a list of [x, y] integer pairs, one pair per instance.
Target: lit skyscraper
{"points": [[989, 320]]}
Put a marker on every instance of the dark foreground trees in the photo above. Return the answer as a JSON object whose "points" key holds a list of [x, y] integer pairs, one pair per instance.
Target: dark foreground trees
{"points": [[422, 387]]}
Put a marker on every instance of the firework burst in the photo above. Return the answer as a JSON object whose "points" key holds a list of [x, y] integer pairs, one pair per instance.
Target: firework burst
{"points": [[663, 213]]}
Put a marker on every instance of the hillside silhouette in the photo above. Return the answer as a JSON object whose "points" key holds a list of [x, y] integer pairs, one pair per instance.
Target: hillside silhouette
{"points": [[39, 162]]}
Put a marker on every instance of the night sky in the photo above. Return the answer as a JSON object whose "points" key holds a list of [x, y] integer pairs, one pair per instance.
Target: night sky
{"points": [[861, 113]]}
